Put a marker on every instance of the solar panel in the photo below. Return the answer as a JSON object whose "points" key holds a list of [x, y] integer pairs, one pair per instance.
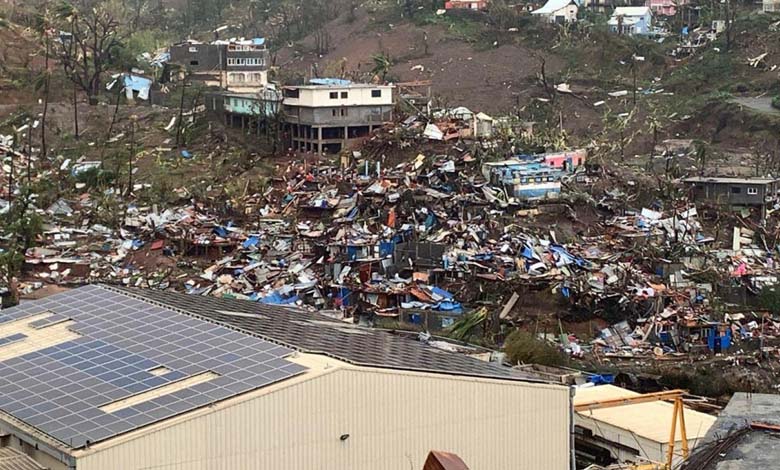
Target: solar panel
{"points": [[12, 339], [61, 388]]}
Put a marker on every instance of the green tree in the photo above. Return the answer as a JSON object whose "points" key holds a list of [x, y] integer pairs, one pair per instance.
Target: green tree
{"points": [[20, 228], [769, 298]]}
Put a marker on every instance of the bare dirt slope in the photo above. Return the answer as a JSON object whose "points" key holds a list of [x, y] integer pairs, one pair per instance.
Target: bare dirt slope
{"points": [[485, 79]]}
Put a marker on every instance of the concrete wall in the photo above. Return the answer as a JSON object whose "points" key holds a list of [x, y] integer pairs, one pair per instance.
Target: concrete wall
{"points": [[355, 96], [340, 116], [724, 193], [207, 57], [388, 420]]}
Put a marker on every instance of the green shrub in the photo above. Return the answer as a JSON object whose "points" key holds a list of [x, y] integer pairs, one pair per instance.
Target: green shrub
{"points": [[776, 102], [95, 177], [524, 347]]}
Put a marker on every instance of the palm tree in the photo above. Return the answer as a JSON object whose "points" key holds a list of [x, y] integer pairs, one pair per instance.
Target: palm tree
{"points": [[382, 65]]}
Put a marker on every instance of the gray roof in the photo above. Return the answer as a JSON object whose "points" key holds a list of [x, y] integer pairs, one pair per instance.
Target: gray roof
{"points": [[115, 346], [729, 180], [12, 459], [315, 333], [755, 449]]}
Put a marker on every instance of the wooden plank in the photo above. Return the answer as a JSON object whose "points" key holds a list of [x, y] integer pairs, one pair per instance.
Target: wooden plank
{"points": [[509, 306]]}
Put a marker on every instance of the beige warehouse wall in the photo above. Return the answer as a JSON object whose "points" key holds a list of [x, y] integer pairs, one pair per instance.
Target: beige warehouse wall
{"points": [[392, 419]]}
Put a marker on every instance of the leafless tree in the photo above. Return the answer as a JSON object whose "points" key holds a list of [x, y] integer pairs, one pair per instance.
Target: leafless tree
{"points": [[86, 55]]}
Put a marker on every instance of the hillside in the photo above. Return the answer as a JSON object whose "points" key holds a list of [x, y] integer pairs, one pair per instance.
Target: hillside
{"points": [[463, 73]]}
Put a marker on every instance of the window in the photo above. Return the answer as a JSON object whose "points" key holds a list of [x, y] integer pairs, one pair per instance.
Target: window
{"points": [[344, 112], [194, 62], [291, 93], [344, 95], [752, 191], [736, 190], [334, 95], [257, 77], [376, 93], [231, 61]]}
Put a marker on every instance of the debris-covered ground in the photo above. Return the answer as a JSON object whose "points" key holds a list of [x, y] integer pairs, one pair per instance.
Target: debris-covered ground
{"points": [[566, 214]]}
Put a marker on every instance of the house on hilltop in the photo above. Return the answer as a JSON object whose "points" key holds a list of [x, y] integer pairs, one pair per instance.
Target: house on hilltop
{"points": [[631, 21], [558, 11]]}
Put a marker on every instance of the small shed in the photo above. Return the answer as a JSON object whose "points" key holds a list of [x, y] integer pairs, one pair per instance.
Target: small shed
{"points": [[438, 460]]}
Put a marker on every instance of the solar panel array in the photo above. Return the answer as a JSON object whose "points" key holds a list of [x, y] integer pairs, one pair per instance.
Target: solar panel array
{"points": [[61, 388], [315, 333]]}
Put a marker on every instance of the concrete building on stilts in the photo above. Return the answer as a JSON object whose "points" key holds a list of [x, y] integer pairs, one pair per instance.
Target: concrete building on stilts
{"points": [[328, 115]]}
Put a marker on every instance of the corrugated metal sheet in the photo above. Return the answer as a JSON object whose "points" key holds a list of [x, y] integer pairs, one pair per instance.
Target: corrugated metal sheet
{"points": [[359, 418], [12, 459]]}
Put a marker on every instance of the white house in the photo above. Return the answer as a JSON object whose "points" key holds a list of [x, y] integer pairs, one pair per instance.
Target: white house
{"points": [[631, 20], [328, 114], [771, 6], [558, 11]]}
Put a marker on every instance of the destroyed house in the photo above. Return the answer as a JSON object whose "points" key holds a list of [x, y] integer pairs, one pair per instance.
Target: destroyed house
{"points": [[103, 378], [524, 180], [466, 5], [328, 115], [734, 192]]}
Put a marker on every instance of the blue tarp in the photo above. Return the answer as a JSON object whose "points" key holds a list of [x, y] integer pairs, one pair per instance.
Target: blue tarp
{"points": [[344, 294], [602, 379], [449, 306], [138, 84], [275, 298], [566, 257], [186, 155], [713, 337], [386, 248], [220, 232], [430, 220], [258, 41], [442, 293], [250, 242]]}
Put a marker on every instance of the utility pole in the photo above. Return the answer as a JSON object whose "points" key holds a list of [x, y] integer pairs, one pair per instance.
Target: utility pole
{"points": [[133, 120], [75, 112], [10, 177], [181, 112], [633, 73], [120, 82]]}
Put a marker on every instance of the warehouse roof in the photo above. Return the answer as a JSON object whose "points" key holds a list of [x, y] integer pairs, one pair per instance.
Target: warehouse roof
{"points": [[92, 363], [315, 333], [754, 449], [12, 459], [651, 420]]}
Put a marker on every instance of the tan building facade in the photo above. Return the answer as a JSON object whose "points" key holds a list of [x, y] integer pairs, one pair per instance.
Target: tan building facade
{"points": [[341, 417]]}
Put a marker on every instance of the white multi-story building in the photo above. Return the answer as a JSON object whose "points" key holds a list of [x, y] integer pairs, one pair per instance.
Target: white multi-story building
{"points": [[326, 115]]}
